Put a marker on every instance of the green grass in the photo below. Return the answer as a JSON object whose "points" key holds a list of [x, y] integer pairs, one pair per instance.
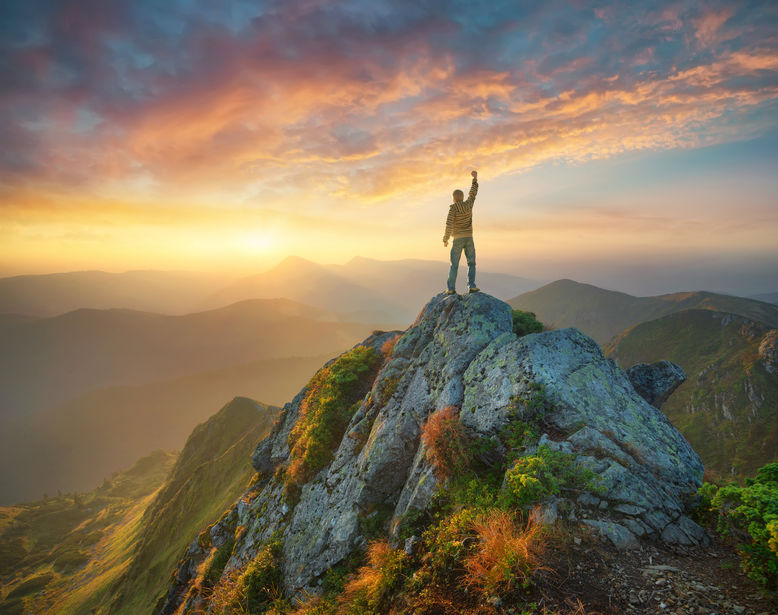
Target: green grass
{"points": [[332, 398], [211, 473], [61, 554]]}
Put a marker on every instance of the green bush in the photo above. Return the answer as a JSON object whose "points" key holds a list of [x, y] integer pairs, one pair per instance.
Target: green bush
{"points": [[748, 517], [547, 472], [332, 398], [525, 322], [218, 561], [260, 582]]}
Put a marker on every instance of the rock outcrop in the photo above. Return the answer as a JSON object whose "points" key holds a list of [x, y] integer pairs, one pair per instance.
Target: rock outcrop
{"points": [[461, 352], [655, 382], [768, 351]]}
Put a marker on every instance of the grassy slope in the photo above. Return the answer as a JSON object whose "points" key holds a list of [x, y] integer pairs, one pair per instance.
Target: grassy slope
{"points": [[72, 548], [719, 353], [212, 471], [603, 313]]}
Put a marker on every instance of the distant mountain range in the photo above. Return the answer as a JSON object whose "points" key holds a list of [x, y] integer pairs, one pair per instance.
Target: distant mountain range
{"points": [[378, 290], [366, 290], [86, 392], [166, 292], [728, 407], [604, 313], [87, 348]]}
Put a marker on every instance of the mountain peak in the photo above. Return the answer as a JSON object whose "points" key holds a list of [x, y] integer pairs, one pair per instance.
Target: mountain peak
{"points": [[460, 355]]}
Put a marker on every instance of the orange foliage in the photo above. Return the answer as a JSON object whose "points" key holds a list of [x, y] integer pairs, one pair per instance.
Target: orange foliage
{"points": [[388, 346], [505, 552], [446, 442], [374, 582]]}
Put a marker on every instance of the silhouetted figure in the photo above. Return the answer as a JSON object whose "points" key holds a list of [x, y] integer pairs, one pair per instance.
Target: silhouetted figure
{"points": [[459, 226]]}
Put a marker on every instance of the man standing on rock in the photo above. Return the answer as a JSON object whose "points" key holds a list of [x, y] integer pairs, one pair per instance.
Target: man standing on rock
{"points": [[459, 225]]}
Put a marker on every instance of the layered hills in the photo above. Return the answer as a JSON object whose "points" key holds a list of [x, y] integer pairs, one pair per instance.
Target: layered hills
{"points": [[388, 291], [728, 407], [604, 313], [167, 292], [83, 388], [85, 349]]}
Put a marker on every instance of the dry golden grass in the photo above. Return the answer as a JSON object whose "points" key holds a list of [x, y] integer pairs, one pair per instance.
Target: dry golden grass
{"points": [[227, 597], [506, 553], [446, 442], [373, 582]]}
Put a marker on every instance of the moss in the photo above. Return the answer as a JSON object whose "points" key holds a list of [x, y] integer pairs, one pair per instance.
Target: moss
{"points": [[329, 404]]}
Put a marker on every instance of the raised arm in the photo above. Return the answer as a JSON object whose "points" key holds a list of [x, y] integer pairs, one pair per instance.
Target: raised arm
{"points": [[473, 189]]}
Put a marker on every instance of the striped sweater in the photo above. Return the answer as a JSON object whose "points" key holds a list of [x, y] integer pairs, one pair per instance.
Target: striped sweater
{"points": [[459, 222]]}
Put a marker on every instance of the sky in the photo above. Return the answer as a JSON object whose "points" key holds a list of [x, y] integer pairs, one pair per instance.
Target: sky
{"points": [[632, 145]]}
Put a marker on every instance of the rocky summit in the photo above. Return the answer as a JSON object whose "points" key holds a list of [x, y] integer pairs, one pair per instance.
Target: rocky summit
{"points": [[460, 352]]}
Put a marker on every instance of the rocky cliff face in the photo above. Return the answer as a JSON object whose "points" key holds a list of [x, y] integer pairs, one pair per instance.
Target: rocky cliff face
{"points": [[460, 352]]}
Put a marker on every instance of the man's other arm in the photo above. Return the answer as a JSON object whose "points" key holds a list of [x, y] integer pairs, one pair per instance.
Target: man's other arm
{"points": [[449, 228]]}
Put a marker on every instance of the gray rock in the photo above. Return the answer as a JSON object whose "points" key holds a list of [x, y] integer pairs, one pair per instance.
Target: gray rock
{"points": [[462, 352], [655, 382], [768, 351], [619, 535]]}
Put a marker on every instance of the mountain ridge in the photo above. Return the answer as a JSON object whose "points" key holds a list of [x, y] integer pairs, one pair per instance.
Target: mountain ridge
{"points": [[604, 313]]}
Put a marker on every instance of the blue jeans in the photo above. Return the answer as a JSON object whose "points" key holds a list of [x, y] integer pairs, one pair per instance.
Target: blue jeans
{"points": [[459, 244]]}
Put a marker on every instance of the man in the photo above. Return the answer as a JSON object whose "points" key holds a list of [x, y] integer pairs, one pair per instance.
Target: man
{"points": [[459, 225]]}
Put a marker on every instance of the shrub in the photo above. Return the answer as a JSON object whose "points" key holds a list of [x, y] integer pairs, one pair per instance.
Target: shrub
{"points": [[260, 582], [525, 322], [367, 593], [447, 543], [332, 398], [218, 561], [388, 346], [446, 442], [748, 517], [505, 555], [547, 472], [254, 590]]}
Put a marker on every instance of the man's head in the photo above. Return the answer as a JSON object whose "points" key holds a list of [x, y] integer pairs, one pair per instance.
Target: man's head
{"points": [[459, 196]]}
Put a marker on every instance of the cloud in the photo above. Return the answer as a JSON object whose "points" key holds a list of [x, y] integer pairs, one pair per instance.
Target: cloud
{"points": [[364, 101]]}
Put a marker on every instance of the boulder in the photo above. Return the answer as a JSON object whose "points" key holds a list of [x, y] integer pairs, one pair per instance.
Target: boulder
{"points": [[655, 382]]}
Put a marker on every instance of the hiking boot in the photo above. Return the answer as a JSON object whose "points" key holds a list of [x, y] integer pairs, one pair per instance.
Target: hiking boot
{"points": [[451, 292], [474, 289]]}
